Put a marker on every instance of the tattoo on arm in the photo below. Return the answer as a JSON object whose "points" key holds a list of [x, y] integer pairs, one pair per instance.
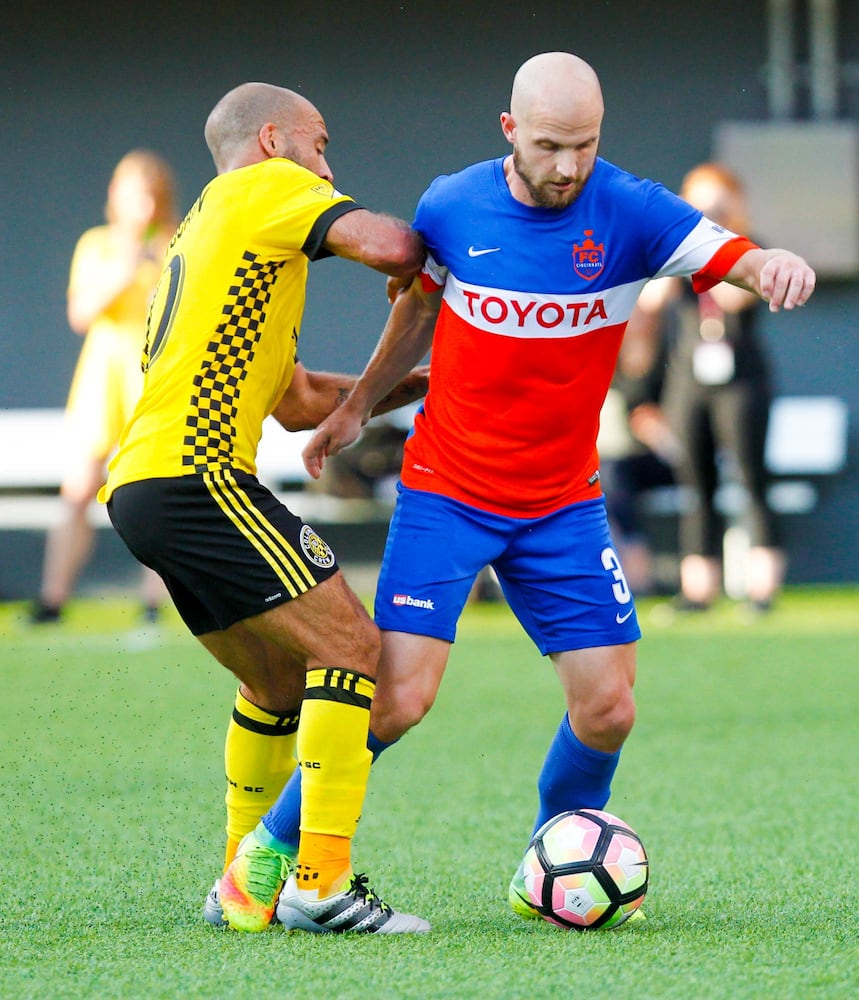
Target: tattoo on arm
{"points": [[340, 397], [405, 392]]}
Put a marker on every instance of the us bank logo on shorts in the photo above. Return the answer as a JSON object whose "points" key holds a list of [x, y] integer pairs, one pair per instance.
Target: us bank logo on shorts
{"points": [[317, 550], [407, 601]]}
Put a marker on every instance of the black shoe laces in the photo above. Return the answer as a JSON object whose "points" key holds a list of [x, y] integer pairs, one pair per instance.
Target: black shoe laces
{"points": [[360, 889]]}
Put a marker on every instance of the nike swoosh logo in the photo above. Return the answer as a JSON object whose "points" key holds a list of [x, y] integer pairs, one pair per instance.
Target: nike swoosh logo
{"points": [[620, 619], [473, 252]]}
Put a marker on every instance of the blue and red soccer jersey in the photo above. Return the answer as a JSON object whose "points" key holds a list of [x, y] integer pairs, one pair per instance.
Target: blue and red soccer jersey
{"points": [[534, 308]]}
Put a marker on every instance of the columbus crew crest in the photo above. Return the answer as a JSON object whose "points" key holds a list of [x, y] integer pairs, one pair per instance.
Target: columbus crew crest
{"points": [[317, 550], [588, 257]]}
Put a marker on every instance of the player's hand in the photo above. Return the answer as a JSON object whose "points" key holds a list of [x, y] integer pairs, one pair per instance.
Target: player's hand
{"points": [[786, 281], [336, 432]]}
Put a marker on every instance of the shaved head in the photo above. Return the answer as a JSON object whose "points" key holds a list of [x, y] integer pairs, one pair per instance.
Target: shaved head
{"points": [[555, 82], [233, 127], [554, 123]]}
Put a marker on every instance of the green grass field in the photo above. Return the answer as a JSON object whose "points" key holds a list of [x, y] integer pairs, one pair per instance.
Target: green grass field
{"points": [[740, 776]]}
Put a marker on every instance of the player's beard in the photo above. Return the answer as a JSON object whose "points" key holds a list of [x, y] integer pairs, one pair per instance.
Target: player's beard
{"points": [[543, 192]]}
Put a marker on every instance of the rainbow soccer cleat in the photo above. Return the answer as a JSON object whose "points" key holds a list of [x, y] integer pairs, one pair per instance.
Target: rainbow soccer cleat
{"points": [[517, 896], [250, 887]]}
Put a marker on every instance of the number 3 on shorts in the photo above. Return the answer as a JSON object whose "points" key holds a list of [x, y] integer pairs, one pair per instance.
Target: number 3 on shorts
{"points": [[619, 588]]}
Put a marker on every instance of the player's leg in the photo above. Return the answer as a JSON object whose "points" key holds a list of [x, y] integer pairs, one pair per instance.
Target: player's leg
{"points": [[259, 758], [584, 753], [436, 547], [302, 906], [423, 585], [574, 602], [228, 550], [583, 756], [325, 627], [408, 679], [410, 674], [259, 753]]}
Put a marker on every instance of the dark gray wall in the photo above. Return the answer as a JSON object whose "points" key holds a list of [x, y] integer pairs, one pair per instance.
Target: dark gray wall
{"points": [[408, 91]]}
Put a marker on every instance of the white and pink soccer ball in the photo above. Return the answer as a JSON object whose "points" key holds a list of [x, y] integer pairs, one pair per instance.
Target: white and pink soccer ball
{"points": [[586, 869]]}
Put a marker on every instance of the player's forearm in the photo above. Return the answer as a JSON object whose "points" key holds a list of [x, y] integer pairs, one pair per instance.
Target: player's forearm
{"points": [[410, 389], [311, 398], [406, 339], [747, 270]]}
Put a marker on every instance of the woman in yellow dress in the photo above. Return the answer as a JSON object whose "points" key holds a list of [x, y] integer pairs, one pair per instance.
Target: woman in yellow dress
{"points": [[114, 271]]}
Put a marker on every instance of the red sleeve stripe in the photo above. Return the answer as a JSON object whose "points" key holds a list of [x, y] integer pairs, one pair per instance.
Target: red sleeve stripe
{"points": [[720, 263], [427, 283]]}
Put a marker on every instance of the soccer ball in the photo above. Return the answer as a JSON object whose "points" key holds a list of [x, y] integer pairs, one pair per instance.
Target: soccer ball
{"points": [[585, 870]]}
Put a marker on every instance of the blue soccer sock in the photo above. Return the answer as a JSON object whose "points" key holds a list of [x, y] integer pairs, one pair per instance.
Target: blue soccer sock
{"points": [[574, 776], [283, 820]]}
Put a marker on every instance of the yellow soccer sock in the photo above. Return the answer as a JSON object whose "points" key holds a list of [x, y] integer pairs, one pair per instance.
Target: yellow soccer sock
{"points": [[335, 766], [259, 757]]}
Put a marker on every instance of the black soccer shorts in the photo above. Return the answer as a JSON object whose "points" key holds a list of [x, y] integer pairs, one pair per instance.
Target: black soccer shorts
{"points": [[225, 546]]}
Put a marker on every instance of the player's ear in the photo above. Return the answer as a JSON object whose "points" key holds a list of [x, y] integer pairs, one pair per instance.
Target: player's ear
{"points": [[508, 126], [268, 139]]}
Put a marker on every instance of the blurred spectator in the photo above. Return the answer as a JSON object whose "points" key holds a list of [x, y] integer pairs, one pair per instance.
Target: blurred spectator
{"points": [[716, 398], [637, 451], [114, 271]]}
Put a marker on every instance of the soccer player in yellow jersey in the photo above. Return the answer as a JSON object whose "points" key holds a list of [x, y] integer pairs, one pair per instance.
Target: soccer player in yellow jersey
{"points": [[258, 587]]}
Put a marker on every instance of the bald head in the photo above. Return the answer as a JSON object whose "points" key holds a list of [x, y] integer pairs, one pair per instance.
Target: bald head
{"points": [[554, 123], [233, 128], [556, 83]]}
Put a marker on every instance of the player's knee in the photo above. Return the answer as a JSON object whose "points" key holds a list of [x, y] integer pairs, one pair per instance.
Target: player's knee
{"points": [[396, 711], [605, 722]]}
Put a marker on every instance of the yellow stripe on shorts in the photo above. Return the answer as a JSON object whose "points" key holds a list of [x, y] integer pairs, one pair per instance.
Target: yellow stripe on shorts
{"points": [[260, 532]]}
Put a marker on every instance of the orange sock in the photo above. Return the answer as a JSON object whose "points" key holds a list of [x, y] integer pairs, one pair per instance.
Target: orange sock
{"points": [[324, 863], [230, 852]]}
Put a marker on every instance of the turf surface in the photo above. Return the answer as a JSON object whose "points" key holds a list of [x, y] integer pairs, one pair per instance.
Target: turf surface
{"points": [[740, 777]]}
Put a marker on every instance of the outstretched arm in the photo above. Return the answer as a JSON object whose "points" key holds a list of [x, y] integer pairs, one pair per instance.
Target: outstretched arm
{"points": [[382, 242], [780, 277], [312, 396], [404, 342]]}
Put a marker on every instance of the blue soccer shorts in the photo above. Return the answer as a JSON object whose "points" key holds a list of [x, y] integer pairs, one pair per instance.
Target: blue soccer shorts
{"points": [[560, 573]]}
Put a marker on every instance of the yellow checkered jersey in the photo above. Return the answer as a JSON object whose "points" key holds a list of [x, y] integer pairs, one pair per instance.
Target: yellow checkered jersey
{"points": [[224, 322]]}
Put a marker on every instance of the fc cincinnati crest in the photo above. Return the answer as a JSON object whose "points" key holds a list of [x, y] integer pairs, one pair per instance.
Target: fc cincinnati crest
{"points": [[316, 549], [588, 257]]}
